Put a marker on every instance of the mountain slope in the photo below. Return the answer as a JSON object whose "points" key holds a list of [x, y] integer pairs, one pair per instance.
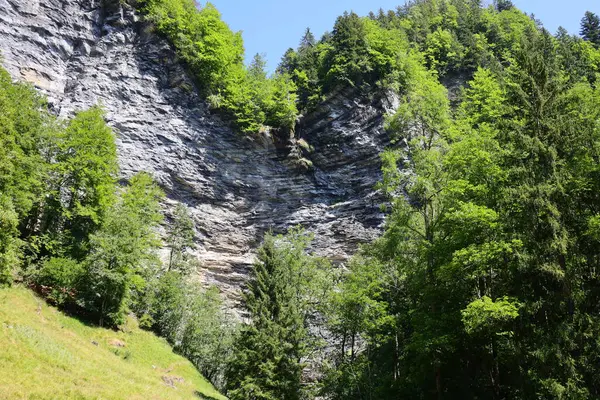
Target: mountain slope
{"points": [[48, 355]]}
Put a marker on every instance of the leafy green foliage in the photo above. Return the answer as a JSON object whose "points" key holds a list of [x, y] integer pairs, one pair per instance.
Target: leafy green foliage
{"points": [[9, 257], [212, 51], [23, 127], [451, 36], [79, 197], [443, 51], [208, 336], [61, 277], [481, 286], [24, 124], [215, 57], [192, 319], [167, 305], [120, 250], [487, 316]]}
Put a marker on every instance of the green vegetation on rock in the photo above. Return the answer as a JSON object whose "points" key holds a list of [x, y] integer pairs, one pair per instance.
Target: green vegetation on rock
{"points": [[214, 55]]}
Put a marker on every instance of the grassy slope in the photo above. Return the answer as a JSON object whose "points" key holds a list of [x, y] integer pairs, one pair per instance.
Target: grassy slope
{"points": [[45, 354]]}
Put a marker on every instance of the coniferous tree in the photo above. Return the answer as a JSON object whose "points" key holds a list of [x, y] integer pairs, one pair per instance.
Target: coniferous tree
{"points": [[268, 358], [503, 5], [288, 63], [258, 67], [349, 61], [590, 28], [308, 41], [303, 69]]}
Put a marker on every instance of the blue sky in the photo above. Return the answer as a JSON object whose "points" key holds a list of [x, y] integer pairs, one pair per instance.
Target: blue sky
{"points": [[272, 26]]}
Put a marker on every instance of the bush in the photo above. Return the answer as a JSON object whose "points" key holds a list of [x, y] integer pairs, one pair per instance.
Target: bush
{"points": [[59, 278], [191, 319], [168, 305]]}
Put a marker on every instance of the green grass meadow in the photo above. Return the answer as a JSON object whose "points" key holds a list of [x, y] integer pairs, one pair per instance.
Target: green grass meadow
{"points": [[45, 354]]}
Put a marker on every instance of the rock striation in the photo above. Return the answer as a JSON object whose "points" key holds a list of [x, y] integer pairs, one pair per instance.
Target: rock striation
{"points": [[86, 52]]}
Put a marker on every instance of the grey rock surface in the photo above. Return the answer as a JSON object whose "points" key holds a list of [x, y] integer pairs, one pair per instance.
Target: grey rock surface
{"points": [[86, 52]]}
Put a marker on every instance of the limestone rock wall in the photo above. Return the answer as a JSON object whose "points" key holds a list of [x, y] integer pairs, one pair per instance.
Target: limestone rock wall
{"points": [[86, 52]]}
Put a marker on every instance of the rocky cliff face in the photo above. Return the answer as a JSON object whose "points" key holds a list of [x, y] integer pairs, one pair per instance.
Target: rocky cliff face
{"points": [[85, 52]]}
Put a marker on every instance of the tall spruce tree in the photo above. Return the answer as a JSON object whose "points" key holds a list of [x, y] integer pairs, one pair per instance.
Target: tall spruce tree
{"points": [[308, 40], [288, 63], [503, 5], [349, 62], [268, 358], [590, 28]]}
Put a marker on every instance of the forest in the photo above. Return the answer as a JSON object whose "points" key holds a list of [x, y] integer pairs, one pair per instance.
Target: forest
{"points": [[484, 284]]}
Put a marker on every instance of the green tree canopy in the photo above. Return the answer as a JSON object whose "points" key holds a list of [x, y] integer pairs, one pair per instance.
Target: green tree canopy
{"points": [[590, 28]]}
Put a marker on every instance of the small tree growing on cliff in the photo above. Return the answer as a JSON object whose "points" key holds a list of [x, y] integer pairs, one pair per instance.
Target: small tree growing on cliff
{"points": [[180, 238]]}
